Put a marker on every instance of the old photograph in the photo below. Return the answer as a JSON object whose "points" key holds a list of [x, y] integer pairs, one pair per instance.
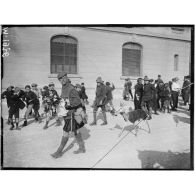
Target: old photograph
{"points": [[93, 97]]}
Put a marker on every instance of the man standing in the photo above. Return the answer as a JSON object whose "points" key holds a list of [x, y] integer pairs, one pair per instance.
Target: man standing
{"points": [[73, 102], [175, 93], [100, 101], [158, 82], [146, 103], [138, 94]]}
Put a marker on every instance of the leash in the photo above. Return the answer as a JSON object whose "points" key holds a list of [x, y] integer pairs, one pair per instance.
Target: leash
{"points": [[113, 147]]}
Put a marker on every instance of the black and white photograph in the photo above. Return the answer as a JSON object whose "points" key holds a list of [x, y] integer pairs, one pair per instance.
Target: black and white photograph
{"points": [[97, 97]]}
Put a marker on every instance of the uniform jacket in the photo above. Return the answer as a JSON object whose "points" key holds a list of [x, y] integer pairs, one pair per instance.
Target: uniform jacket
{"points": [[100, 98], [70, 93], [148, 90]]}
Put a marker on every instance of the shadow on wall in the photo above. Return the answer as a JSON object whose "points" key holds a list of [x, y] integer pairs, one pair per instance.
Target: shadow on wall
{"points": [[164, 160], [182, 119]]}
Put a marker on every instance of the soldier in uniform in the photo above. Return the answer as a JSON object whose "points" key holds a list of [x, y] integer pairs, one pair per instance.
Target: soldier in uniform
{"points": [[146, 103], [100, 101], [73, 102], [138, 94]]}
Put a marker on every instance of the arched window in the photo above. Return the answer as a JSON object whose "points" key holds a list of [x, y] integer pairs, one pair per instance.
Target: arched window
{"points": [[131, 59], [63, 54]]}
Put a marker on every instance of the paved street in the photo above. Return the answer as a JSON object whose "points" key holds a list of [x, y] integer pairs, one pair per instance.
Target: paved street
{"points": [[168, 145]]}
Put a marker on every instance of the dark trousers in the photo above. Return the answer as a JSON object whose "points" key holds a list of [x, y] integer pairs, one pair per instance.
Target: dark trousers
{"points": [[130, 92], [158, 101], [137, 103], [174, 96]]}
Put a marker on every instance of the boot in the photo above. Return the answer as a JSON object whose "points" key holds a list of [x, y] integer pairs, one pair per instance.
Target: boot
{"points": [[94, 119], [46, 125], [12, 126], [58, 122], [25, 123], [59, 153], [80, 143], [105, 119]]}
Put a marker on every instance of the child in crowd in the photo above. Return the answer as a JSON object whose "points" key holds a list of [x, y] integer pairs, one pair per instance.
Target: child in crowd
{"points": [[15, 105], [32, 102], [84, 96], [7, 94], [51, 100]]}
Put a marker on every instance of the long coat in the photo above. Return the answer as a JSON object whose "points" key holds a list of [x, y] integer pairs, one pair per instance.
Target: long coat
{"points": [[138, 96], [100, 99]]}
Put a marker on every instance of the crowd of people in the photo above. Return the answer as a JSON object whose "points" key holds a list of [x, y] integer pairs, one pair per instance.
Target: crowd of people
{"points": [[149, 95], [155, 95]]}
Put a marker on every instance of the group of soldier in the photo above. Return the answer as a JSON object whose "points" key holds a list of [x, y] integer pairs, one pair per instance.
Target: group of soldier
{"points": [[154, 95], [149, 96]]}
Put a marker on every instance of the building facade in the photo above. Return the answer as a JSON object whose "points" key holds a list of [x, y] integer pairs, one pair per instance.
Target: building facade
{"points": [[37, 54]]}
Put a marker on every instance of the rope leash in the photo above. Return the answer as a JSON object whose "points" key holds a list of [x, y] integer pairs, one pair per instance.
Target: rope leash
{"points": [[114, 146]]}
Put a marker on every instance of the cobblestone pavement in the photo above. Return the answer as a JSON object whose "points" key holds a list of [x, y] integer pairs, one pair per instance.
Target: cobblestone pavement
{"points": [[166, 147]]}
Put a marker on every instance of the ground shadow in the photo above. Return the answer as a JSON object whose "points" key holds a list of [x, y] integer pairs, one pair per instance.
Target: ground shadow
{"points": [[85, 135], [178, 119], [130, 127], [164, 160], [184, 111]]}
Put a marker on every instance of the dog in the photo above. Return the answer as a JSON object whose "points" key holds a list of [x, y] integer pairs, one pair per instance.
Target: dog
{"points": [[131, 116]]}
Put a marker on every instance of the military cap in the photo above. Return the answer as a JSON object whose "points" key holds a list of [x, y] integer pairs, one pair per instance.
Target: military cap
{"points": [[61, 74], [99, 80]]}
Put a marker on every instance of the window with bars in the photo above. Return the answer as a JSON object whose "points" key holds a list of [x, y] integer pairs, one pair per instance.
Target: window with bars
{"points": [[176, 62], [131, 59], [64, 54]]}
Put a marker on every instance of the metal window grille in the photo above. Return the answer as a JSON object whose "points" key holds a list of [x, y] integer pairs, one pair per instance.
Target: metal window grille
{"points": [[63, 54], [131, 59]]}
